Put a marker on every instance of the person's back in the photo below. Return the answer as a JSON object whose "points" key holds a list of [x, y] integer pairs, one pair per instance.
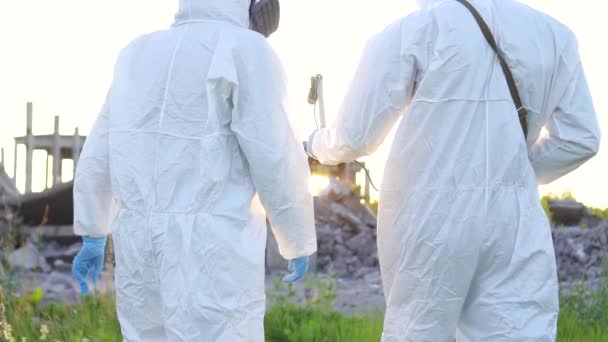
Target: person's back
{"points": [[464, 245], [193, 127], [171, 103], [543, 56]]}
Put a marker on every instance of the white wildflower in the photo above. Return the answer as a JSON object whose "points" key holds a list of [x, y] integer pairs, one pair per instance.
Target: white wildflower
{"points": [[44, 331]]}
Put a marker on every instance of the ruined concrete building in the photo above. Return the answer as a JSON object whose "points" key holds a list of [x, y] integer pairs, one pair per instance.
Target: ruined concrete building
{"points": [[53, 207], [54, 204]]}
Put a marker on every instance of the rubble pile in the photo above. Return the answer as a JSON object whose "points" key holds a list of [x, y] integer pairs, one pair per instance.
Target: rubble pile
{"points": [[346, 233], [42, 259], [581, 252], [580, 240]]}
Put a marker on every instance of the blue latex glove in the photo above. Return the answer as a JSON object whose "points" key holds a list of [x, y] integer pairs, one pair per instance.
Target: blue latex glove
{"points": [[89, 261], [298, 268]]}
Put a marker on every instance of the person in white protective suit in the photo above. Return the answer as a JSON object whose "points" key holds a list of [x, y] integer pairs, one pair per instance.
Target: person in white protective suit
{"points": [[464, 245], [194, 126]]}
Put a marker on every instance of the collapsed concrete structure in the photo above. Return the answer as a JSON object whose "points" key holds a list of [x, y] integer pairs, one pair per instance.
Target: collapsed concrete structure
{"points": [[59, 147], [582, 253], [52, 209], [54, 205], [346, 234]]}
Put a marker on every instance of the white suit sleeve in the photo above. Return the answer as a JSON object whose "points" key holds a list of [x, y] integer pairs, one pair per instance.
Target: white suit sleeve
{"points": [[574, 133], [93, 202], [277, 162], [378, 95]]}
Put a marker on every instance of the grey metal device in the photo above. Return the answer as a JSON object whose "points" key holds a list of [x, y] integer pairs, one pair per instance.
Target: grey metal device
{"points": [[316, 97]]}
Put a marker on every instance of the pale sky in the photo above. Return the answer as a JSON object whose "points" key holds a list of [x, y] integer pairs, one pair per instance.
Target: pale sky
{"points": [[60, 55]]}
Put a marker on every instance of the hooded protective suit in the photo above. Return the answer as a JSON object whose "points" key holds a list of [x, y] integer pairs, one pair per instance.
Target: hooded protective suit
{"points": [[193, 126], [465, 247]]}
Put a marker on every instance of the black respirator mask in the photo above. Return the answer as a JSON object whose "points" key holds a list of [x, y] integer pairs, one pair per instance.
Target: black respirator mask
{"points": [[264, 16]]}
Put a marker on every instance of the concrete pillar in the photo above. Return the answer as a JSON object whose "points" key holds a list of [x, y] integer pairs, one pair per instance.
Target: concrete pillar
{"points": [[56, 154], [76, 146], [15, 165], [29, 146], [46, 175]]}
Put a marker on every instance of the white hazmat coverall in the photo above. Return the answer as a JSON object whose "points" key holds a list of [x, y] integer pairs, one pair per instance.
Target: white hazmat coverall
{"points": [[193, 126], [465, 247]]}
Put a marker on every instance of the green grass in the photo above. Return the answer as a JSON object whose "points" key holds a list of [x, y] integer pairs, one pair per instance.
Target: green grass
{"points": [[584, 317], [570, 329], [295, 323], [313, 318], [22, 319]]}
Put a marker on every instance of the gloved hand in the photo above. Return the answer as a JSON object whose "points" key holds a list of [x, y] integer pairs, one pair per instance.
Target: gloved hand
{"points": [[89, 260], [298, 268]]}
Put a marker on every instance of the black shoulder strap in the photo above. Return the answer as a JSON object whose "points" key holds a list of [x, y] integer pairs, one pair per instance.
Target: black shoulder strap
{"points": [[521, 109]]}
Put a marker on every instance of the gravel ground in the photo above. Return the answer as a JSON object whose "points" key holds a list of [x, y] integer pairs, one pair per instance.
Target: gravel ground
{"points": [[353, 296]]}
